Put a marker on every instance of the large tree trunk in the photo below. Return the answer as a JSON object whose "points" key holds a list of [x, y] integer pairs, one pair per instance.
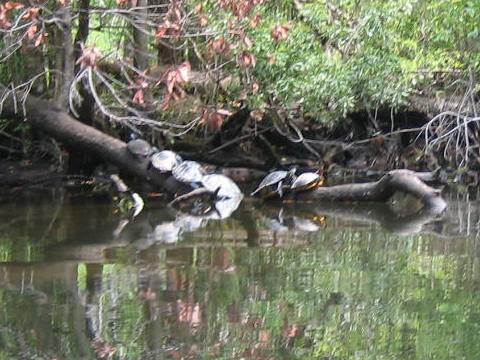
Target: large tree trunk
{"points": [[67, 64], [141, 39], [61, 126]]}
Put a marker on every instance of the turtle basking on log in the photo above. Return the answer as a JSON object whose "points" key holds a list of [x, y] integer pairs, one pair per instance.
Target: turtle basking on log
{"points": [[164, 161], [273, 183], [307, 181]]}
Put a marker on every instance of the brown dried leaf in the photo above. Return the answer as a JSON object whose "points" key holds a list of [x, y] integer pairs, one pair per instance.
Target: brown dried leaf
{"points": [[255, 88], [280, 32], [203, 20], [255, 21], [32, 13], [40, 39], [89, 57], [248, 42], [247, 60], [139, 97], [11, 5], [184, 71], [32, 31]]}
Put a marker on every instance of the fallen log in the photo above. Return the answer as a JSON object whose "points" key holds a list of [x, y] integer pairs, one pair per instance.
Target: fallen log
{"points": [[409, 182]]}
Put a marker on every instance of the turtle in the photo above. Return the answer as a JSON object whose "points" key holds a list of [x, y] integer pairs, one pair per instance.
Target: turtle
{"points": [[275, 179], [189, 172], [222, 185], [164, 161], [139, 148], [306, 181]]}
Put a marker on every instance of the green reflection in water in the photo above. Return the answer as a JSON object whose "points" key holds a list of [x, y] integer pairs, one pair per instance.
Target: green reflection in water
{"points": [[343, 292]]}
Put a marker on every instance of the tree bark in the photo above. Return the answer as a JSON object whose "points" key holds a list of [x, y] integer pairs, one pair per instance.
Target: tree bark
{"points": [[141, 39], [68, 58]]}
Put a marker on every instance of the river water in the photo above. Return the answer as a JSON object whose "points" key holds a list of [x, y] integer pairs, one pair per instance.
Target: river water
{"points": [[306, 281]]}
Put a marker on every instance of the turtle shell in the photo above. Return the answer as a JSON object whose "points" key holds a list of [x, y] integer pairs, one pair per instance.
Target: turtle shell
{"points": [[139, 148], [225, 186], [165, 160], [274, 179], [305, 181], [188, 172]]}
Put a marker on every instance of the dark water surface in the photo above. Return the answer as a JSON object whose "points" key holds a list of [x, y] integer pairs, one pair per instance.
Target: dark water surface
{"points": [[306, 282]]}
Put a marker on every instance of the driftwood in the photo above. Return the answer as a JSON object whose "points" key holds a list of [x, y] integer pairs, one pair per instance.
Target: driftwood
{"points": [[64, 128]]}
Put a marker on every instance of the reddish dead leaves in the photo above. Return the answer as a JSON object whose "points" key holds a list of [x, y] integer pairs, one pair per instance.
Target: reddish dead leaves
{"points": [[5, 13], [127, 3], [89, 58], [255, 88], [292, 331], [148, 295], [34, 33], [221, 47], [171, 27], [141, 85], [280, 32], [213, 118], [203, 20], [31, 15], [255, 21], [175, 79], [247, 60], [189, 313], [239, 8]]}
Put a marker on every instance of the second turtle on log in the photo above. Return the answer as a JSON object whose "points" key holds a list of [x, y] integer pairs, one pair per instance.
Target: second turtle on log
{"points": [[307, 181], [164, 161]]}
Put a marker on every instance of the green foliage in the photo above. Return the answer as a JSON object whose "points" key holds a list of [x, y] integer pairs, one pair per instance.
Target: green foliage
{"points": [[347, 55]]}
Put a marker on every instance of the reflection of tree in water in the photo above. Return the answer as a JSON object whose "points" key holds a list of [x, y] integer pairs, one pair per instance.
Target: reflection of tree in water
{"points": [[348, 288]]}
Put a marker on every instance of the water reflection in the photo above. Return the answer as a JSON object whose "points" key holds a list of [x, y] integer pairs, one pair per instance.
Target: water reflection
{"points": [[269, 282]]}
